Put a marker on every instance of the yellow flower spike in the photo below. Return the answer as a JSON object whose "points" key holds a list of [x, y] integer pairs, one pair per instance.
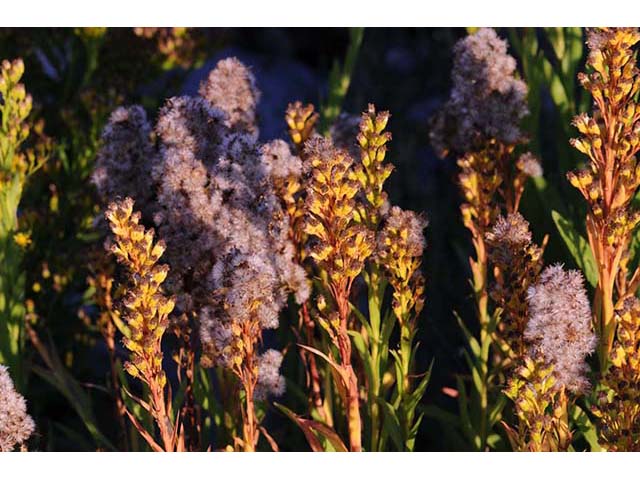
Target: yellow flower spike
{"points": [[400, 247], [331, 209], [538, 407], [611, 139], [147, 309], [301, 121], [618, 409], [373, 172], [340, 254]]}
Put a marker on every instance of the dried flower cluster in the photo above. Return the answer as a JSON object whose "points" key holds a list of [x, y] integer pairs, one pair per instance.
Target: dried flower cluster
{"points": [[559, 337], [16, 426], [234, 221], [214, 199], [559, 327], [270, 381], [231, 87], [611, 139], [487, 101], [123, 165], [519, 262], [618, 406]]}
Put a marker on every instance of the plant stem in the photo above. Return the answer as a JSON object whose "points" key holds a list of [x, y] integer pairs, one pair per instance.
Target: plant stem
{"points": [[344, 346], [375, 293]]}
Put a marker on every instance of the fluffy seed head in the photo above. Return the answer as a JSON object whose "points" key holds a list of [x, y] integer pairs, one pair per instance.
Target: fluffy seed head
{"points": [[530, 165], [559, 325], [16, 426], [270, 382], [231, 87], [487, 101], [510, 232], [124, 162]]}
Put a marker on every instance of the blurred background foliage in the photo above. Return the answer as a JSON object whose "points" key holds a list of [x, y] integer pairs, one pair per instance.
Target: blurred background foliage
{"points": [[77, 77]]}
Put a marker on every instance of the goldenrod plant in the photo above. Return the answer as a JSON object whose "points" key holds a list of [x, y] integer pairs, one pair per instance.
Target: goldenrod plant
{"points": [[267, 283], [301, 121], [480, 127], [553, 371], [341, 247], [146, 315], [400, 248], [354, 233], [17, 164], [372, 175], [610, 138], [617, 407]]}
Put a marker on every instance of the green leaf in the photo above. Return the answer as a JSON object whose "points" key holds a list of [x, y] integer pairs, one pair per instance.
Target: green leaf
{"points": [[361, 318], [67, 386], [577, 246], [463, 408], [339, 80], [365, 356], [586, 428], [392, 425], [471, 340], [495, 414], [320, 436], [418, 393], [443, 416]]}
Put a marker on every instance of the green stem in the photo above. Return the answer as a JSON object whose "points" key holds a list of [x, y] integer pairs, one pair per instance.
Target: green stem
{"points": [[339, 81], [375, 298]]}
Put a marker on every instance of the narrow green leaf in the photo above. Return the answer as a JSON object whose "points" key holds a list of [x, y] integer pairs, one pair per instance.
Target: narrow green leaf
{"points": [[392, 425], [586, 428], [577, 246], [319, 435]]}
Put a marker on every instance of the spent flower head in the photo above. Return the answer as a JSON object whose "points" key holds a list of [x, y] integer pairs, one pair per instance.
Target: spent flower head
{"points": [[270, 381], [487, 100], [559, 327], [123, 165], [231, 87], [16, 426], [519, 262]]}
